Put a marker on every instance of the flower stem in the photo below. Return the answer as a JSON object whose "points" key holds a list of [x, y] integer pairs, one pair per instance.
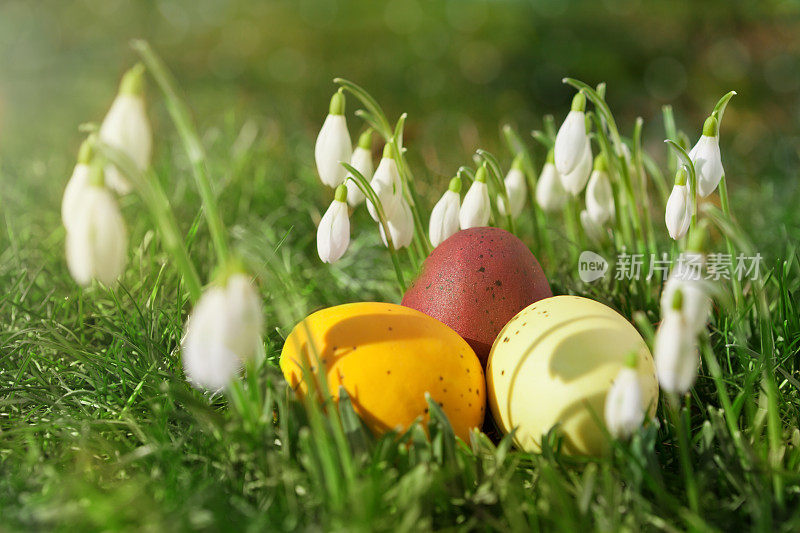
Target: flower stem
{"points": [[179, 113], [369, 192], [683, 450], [153, 196], [494, 170], [738, 294]]}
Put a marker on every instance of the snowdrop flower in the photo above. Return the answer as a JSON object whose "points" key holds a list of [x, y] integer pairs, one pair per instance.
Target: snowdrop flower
{"points": [[361, 161], [127, 128], [678, 213], [592, 229], [516, 187], [572, 137], [550, 194], [575, 181], [675, 349], [599, 196], [97, 241], [77, 183], [222, 332], [333, 233], [387, 186], [476, 209], [444, 217], [687, 278], [707, 159], [401, 227], [624, 412], [333, 144]]}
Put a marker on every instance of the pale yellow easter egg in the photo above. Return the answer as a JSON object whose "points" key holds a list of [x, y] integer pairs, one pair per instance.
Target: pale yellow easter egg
{"points": [[554, 363]]}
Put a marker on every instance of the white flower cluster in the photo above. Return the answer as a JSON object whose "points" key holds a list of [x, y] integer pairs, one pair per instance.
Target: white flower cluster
{"points": [[333, 148], [97, 243], [707, 161]]}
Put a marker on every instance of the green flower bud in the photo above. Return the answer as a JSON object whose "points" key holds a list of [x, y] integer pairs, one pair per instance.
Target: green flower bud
{"points": [[482, 173], [680, 176], [711, 127], [337, 103], [133, 81], [365, 140], [578, 102], [341, 193]]}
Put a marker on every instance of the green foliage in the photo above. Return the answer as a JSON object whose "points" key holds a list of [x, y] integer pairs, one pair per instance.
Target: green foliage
{"points": [[99, 430]]}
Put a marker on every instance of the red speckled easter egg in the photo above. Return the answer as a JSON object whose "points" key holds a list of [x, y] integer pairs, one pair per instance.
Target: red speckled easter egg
{"points": [[475, 282]]}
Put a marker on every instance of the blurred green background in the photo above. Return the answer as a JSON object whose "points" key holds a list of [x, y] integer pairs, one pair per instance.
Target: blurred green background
{"points": [[460, 68]]}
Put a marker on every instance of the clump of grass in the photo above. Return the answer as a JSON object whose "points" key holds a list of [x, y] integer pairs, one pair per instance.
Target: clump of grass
{"points": [[99, 430]]}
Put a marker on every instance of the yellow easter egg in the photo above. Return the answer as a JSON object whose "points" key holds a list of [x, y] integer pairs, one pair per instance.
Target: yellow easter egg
{"points": [[554, 363], [387, 357]]}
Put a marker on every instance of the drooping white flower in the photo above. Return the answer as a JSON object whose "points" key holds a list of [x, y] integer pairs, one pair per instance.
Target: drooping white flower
{"points": [[550, 194], [678, 212], [571, 137], [575, 181], [687, 277], [361, 161], [127, 128], [401, 227], [333, 232], [707, 158], [516, 188], [387, 186], [593, 230], [79, 180], [476, 209], [444, 216], [222, 333], [599, 196], [624, 412], [97, 241], [675, 349], [333, 144]]}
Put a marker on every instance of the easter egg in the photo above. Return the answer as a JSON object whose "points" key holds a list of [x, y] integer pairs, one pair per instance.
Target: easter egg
{"points": [[387, 357], [475, 281], [554, 363]]}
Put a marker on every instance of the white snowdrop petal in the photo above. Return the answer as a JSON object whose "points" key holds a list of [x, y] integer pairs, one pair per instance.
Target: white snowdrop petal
{"points": [[517, 189], [677, 214], [361, 161], [223, 331], [127, 128], [600, 198], [388, 187], [575, 181], [207, 361], [333, 233], [696, 301], [444, 217], [570, 141], [550, 194], [73, 193], [244, 318], [708, 164], [675, 352], [96, 244], [624, 409], [333, 146], [476, 209], [401, 227]]}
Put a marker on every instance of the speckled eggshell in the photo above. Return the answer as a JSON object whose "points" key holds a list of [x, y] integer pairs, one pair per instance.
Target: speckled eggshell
{"points": [[387, 357], [476, 281], [554, 363]]}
